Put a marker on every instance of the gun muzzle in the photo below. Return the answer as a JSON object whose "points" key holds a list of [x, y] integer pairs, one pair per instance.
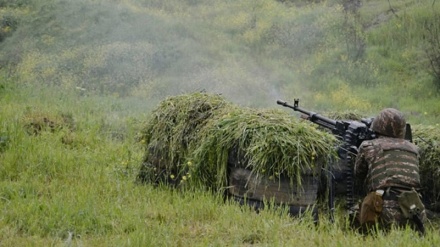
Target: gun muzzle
{"points": [[280, 102]]}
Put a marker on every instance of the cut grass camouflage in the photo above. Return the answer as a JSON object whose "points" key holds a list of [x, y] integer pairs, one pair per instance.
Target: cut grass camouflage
{"points": [[196, 138], [170, 134]]}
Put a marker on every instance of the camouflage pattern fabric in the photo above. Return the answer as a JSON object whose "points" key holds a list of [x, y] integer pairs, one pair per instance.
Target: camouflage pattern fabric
{"points": [[392, 216], [389, 162], [390, 122]]}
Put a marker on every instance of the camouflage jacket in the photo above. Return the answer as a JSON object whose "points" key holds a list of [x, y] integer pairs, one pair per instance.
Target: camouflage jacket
{"points": [[388, 162]]}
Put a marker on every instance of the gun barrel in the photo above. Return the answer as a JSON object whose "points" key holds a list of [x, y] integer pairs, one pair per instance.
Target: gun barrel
{"points": [[283, 103], [312, 116]]}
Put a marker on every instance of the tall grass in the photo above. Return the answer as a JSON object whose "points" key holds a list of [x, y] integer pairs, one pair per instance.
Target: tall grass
{"points": [[83, 193]]}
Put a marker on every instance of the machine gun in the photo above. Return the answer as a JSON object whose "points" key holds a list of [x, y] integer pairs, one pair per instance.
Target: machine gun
{"points": [[352, 134]]}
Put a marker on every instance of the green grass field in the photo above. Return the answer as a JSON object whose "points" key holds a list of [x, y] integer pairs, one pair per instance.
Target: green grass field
{"points": [[83, 192]]}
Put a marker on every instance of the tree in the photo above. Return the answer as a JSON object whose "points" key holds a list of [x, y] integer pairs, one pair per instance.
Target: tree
{"points": [[432, 38]]}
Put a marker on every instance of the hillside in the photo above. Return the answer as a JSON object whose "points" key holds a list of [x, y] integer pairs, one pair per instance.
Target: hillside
{"points": [[332, 55]]}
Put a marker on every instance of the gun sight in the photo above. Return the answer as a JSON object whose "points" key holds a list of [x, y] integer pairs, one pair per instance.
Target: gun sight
{"points": [[295, 103]]}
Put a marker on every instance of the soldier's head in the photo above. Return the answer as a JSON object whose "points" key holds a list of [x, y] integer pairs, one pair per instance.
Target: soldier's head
{"points": [[390, 122]]}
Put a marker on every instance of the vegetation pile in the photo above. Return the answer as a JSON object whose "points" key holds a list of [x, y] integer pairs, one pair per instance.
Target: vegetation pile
{"points": [[345, 115], [192, 139], [171, 130], [427, 138]]}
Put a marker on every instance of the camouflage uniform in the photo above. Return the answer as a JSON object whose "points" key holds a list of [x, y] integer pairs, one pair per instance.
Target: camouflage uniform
{"points": [[389, 163]]}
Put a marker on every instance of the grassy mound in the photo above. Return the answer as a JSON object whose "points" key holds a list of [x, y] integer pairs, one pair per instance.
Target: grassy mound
{"points": [[192, 139]]}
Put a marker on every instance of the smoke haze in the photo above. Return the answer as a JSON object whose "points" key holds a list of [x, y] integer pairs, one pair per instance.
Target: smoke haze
{"points": [[150, 49]]}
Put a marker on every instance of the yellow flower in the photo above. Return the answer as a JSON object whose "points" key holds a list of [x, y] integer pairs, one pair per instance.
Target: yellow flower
{"points": [[184, 178], [172, 176]]}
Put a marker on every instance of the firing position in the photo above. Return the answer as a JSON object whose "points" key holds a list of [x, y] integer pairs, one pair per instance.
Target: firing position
{"points": [[388, 170]]}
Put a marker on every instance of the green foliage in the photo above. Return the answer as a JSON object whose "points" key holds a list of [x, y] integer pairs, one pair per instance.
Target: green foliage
{"points": [[250, 51], [427, 138], [256, 135], [195, 135], [433, 46]]}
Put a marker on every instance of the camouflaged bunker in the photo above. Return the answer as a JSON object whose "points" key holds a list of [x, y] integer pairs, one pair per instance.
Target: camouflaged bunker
{"points": [[251, 155]]}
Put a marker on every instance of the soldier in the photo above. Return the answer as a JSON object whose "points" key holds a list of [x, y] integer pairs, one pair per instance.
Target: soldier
{"points": [[388, 170]]}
